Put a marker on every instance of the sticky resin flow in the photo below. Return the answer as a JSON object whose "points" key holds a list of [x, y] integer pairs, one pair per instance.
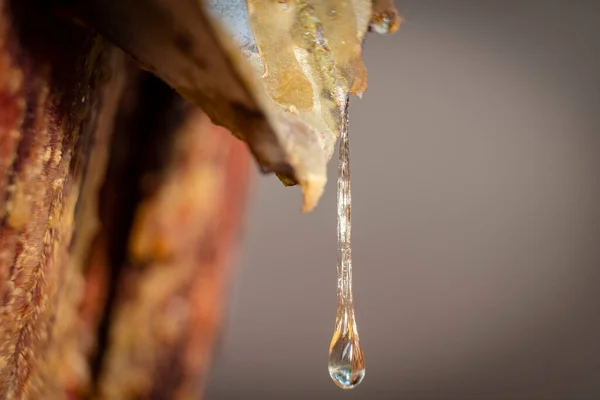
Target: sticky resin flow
{"points": [[346, 360]]}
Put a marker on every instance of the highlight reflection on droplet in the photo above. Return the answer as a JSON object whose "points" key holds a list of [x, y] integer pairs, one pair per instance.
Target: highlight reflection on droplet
{"points": [[346, 360]]}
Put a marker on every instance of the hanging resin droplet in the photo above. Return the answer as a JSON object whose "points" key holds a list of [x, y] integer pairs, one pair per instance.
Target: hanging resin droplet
{"points": [[346, 360]]}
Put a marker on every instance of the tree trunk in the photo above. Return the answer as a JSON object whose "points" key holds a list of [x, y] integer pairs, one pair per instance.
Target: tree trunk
{"points": [[119, 206]]}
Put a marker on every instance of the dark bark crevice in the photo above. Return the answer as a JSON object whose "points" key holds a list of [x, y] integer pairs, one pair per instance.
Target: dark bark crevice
{"points": [[139, 152]]}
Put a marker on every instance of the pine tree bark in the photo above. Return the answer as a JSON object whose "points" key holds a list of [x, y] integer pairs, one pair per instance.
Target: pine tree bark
{"points": [[119, 206]]}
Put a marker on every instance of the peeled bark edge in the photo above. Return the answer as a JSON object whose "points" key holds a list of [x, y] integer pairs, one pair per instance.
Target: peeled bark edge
{"points": [[206, 50]]}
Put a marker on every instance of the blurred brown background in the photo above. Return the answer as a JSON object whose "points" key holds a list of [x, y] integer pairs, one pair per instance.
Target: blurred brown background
{"points": [[476, 177]]}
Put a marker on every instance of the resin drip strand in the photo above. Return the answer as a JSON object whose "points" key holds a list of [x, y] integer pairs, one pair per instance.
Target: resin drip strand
{"points": [[346, 361]]}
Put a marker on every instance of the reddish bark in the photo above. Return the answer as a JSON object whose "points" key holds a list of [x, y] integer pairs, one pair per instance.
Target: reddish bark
{"points": [[118, 207]]}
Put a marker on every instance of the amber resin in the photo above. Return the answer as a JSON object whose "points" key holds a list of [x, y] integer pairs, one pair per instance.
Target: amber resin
{"points": [[346, 360]]}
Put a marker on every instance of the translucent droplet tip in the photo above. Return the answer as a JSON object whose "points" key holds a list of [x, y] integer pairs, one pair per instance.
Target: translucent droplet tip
{"points": [[346, 378]]}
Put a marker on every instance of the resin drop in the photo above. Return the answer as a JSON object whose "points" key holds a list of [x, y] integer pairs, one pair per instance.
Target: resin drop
{"points": [[346, 360]]}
